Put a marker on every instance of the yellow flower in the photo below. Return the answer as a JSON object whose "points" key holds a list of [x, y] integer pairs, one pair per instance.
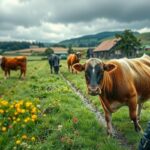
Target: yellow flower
{"points": [[17, 105], [18, 142], [18, 119], [33, 138], [16, 113], [23, 111], [33, 110], [19, 110], [28, 104], [20, 102], [24, 136], [1, 111], [34, 117], [14, 122], [4, 102], [26, 119], [4, 129]]}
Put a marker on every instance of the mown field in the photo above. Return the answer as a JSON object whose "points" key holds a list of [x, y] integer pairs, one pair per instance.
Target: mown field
{"points": [[43, 113]]}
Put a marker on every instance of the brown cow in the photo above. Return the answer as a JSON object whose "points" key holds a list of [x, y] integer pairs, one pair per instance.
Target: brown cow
{"points": [[13, 63], [73, 59], [119, 82]]}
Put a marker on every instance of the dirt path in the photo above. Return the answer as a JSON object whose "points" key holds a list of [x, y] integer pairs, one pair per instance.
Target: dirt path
{"points": [[117, 135]]}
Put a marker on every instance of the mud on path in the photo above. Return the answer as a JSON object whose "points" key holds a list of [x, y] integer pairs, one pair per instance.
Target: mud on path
{"points": [[99, 116]]}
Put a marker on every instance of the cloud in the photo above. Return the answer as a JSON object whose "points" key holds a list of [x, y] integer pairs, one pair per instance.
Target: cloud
{"points": [[56, 20]]}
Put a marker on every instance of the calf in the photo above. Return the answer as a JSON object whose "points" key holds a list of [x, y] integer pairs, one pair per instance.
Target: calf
{"points": [[118, 82]]}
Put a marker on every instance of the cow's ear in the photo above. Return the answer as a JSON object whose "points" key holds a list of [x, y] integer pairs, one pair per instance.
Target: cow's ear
{"points": [[79, 67], [110, 67]]}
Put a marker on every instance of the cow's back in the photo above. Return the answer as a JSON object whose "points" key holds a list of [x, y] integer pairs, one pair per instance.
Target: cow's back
{"points": [[72, 59], [135, 73], [13, 63]]}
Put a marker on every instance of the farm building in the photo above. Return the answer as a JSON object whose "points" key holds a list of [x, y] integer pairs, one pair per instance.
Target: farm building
{"points": [[60, 51], [107, 49], [147, 48]]}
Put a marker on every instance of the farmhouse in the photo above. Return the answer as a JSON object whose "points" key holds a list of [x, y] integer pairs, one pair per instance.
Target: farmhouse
{"points": [[107, 49]]}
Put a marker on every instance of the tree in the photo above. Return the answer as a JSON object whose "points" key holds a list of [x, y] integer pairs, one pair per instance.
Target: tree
{"points": [[128, 44], [49, 51], [70, 50]]}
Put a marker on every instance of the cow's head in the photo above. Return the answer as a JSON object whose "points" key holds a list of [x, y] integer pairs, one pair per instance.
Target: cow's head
{"points": [[94, 73], [78, 54]]}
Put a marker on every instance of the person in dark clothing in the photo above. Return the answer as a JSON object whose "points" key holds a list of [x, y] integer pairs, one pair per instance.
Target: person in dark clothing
{"points": [[145, 140]]}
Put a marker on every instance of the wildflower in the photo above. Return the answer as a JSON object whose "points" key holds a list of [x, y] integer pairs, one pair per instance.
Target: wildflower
{"points": [[10, 126], [28, 104], [4, 103], [26, 119], [18, 119], [75, 120], [33, 138], [19, 110], [23, 111], [16, 113], [44, 115], [59, 128], [4, 129], [34, 117], [18, 142], [24, 136], [33, 110], [1, 111]]}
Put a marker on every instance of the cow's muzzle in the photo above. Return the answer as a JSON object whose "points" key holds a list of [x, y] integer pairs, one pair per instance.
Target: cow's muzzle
{"points": [[94, 90]]}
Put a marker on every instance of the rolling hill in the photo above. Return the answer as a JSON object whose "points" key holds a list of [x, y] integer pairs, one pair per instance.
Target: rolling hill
{"points": [[145, 38], [89, 40]]}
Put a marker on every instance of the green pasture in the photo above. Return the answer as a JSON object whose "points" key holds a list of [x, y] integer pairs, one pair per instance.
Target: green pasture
{"points": [[64, 122]]}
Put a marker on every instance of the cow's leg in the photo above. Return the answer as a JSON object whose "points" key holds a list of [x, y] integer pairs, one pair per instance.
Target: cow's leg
{"points": [[109, 122], [22, 73], [68, 67], [5, 74], [140, 105], [9, 73], [72, 69], [107, 118], [51, 68], [133, 113]]}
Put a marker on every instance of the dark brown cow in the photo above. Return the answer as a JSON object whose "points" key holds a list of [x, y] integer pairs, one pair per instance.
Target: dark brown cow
{"points": [[13, 63], [73, 59], [119, 82]]}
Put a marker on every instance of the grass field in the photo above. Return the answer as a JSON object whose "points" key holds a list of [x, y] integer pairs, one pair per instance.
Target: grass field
{"points": [[43, 113]]}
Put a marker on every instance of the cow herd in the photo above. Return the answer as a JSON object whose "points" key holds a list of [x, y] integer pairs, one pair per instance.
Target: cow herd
{"points": [[117, 82]]}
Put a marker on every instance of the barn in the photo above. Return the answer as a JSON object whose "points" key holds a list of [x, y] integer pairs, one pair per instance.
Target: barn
{"points": [[107, 49]]}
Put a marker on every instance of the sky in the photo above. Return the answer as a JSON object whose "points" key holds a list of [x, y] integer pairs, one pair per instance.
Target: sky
{"points": [[57, 20]]}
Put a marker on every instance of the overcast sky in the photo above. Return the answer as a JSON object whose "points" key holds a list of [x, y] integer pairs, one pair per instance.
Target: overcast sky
{"points": [[56, 20]]}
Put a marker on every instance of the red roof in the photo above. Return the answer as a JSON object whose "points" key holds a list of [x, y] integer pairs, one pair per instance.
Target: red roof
{"points": [[106, 45]]}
